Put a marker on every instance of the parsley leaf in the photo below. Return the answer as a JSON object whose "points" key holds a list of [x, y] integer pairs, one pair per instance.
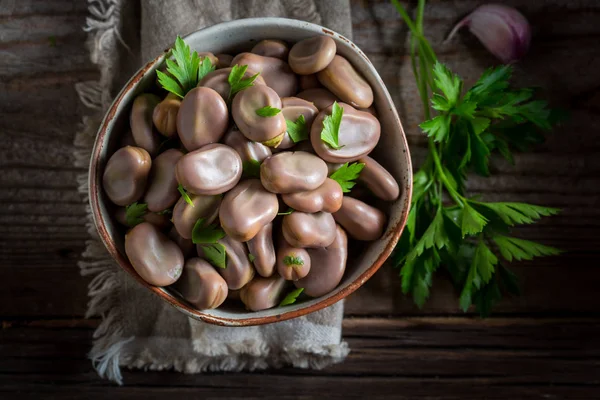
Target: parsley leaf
{"points": [[207, 236], [417, 275], [267, 111], [472, 222], [465, 109], [185, 195], [291, 297], [292, 260], [236, 80], [435, 235], [480, 124], [480, 153], [251, 169], [185, 70], [447, 82], [215, 254], [205, 68], [480, 272], [298, 130], [169, 84], [331, 126], [493, 80], [521, 249], [519, 213], [134, 213], [251, 257], [438, 128], [485, 297], [202, 233], [347, 174]]}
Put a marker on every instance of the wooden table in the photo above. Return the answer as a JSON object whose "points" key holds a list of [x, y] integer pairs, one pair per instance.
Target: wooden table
{"points": [[542, 344]]}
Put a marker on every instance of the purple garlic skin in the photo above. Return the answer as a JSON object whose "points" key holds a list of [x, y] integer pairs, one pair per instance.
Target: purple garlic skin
{"points": [[503, 30]]}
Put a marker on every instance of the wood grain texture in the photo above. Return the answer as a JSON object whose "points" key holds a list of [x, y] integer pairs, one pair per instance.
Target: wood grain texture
{"points": [[403, 359], [533, 348]]}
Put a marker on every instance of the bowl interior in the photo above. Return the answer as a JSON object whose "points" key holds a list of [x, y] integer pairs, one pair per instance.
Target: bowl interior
{"points": [[233, 37]]}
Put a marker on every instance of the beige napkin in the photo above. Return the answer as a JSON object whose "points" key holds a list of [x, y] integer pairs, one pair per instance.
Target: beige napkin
{"points": [[137, 329]]}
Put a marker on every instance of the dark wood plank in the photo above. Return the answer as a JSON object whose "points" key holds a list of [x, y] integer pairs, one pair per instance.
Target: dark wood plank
{"points": [[43, 55], [19, 8], [263, 386], [59, 291], [399, 358], [39, 27]]}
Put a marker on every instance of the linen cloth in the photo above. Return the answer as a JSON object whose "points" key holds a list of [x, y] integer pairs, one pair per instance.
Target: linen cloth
{"points": [[138, 330]]}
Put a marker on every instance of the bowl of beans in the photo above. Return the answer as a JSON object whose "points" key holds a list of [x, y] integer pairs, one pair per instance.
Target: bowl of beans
{"points": [[255, 172]]}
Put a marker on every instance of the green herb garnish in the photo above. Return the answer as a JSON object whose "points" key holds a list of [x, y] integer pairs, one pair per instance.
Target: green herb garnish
{"points": [[331, 126], [236, 80], [291, 297], [205, 68], [134, 213], [286, 212], [185, 71], [297, 130], [346, 175], [446, 228], [292, 260], [267, 111], [215, 254], [203, 233], [185, 195], [521, 249], [207, 236], [251, 169], [166, 211], [251, 257]]}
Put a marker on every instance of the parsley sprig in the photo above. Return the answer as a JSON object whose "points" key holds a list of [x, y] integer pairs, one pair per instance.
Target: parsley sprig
{"points": [[446, 228], [292, 260], [331, 126], [185, 71], [267, 111], [298, 130], [134, 213], [185, 195], [251, 169], [237, 82], [346, 175], [291, 297], [208, 236]]}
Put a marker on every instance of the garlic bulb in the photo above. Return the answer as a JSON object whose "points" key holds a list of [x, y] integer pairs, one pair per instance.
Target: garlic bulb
{"points": [[503, 30]]}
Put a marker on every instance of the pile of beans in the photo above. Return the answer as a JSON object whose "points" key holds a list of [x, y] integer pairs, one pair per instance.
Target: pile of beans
{"points": [[292, 211]]}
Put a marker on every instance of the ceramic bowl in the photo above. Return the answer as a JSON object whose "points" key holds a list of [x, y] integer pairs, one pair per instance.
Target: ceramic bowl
{"points": [[233, 37]]}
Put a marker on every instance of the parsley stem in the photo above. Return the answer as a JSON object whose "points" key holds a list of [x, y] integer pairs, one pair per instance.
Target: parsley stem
{"points": [[420, 47], [405, 17], [442, 175], [420, 14], [423, 88], [413, 56]]}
